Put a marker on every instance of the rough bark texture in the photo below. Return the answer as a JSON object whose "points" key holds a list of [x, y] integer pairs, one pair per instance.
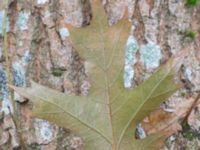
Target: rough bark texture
{"points": [[38, 49]]}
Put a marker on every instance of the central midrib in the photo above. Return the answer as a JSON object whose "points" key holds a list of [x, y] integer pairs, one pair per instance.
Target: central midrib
{"points": [[107, 98]]}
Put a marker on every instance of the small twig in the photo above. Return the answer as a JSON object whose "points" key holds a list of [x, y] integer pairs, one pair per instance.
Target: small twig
{"points": [[15, 116], [6, 56], [194, 104], [5, 40]]}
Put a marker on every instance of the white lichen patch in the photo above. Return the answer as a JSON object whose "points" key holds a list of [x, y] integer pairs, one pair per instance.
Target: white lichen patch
{"points": [[45, 132], [4, 93], [64, 33], [150, 55], [19, 70], [188, 74], [192, 69], [140, 133], [131, 49], [2, 14], [6, 106], [26, 58], [3, 84], [19, 77], [22, 20], [42, 1]]}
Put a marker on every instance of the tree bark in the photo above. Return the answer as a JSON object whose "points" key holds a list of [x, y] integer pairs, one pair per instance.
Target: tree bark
{"points": [[39, 49]]}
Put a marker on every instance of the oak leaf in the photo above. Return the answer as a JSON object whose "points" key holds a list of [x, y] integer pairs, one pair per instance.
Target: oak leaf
{"points": [[107, 117]]}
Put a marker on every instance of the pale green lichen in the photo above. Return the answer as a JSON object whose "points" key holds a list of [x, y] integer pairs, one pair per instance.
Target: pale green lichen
{"points": [[131, 49], [150, 55], [2, 15], [22, 20]]}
